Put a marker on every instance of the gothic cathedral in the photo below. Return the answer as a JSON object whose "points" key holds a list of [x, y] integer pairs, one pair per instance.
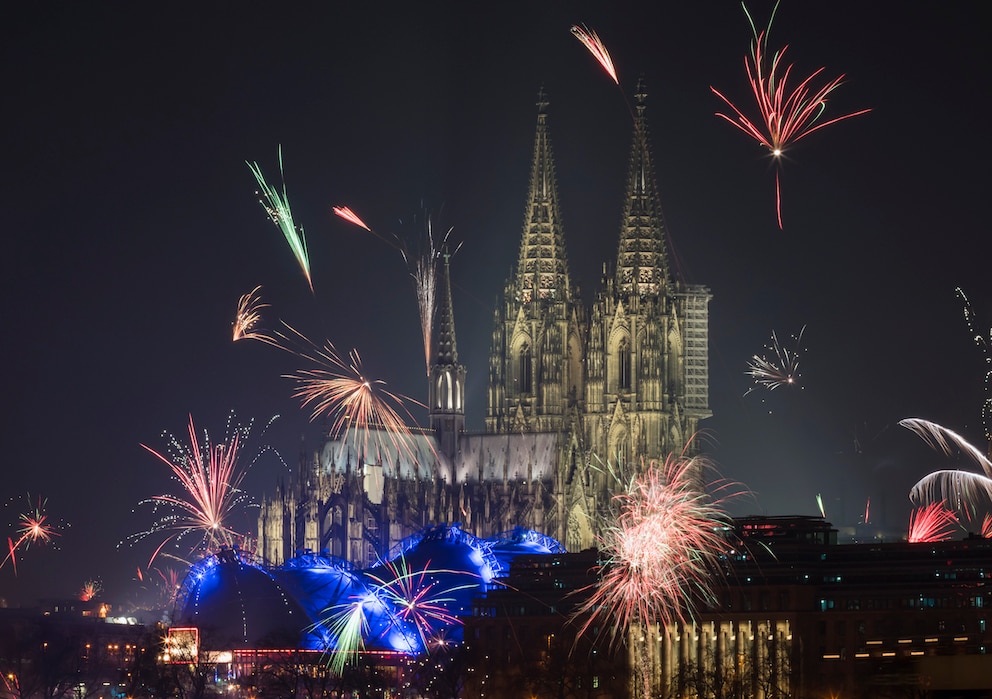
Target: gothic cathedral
{"points": [[571, 390]]}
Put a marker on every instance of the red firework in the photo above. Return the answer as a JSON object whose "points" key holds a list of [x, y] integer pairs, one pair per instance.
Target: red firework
{"points": [[931, 523], [35, 529], [787, 114], [348, 215], [596, 47], [90, 589], [209, 476]]}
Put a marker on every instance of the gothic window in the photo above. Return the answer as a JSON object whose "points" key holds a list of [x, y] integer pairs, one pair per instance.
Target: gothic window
{"points": [[623, 364], [622, 451], [445, 398], [525, 369]]}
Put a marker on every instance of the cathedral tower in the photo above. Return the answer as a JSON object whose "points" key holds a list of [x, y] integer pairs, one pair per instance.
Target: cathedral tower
{"points": [[646, 369], [447, 380], [567, 387], [536, 377]]}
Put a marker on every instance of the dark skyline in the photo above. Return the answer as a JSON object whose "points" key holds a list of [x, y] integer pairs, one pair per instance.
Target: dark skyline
{"points": [[133, 227]]}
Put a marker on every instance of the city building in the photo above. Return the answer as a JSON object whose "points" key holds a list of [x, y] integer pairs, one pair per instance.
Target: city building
{"points": [[796, 615], [570, 388], [521, 639], [70, 648]]}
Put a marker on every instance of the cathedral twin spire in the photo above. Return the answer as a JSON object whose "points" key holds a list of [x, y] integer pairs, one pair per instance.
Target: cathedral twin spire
{"points": [[642, 260], [542, 271]]}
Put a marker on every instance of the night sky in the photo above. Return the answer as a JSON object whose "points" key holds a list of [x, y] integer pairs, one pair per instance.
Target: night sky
{"points": [[132, 227]]}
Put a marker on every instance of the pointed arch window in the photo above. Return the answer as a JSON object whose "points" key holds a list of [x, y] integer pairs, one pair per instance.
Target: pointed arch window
{"points": [[623, 364], [525, 369], [444, 392]]}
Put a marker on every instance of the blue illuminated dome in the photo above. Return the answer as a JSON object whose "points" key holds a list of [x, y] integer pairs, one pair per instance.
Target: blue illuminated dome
{"points": [[417, 595], [236, 604]]}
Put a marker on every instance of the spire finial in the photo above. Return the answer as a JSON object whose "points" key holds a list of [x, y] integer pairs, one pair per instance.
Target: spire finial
{"points": [[542, 100], [641, 93]]}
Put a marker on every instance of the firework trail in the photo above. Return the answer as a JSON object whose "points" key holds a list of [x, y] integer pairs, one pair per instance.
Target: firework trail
{"points": [[168, 583], [164, 584], [984, 345], [35, 528], [779, 366], [661, 550], [419, 597], [348, 624], [348, 215], [962, 490], [787, 115], [596, 47], [90, 589], [248, 316], [931, 523], [209, 476], [276, 205], [422, 262]]}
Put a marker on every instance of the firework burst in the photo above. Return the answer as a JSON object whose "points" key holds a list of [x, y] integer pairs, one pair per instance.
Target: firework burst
{"points": [[778, 366], [89, 590], [931, 523], [422, 259], [248, 316], [661, 551], [787, 114], [209, 477], [361, 410], [964, 491], [35, 528], [597, 48], [276, 205], [419, 598]]}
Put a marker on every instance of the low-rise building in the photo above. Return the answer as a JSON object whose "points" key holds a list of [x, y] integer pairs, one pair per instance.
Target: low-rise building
{"points": [[796, 615]]}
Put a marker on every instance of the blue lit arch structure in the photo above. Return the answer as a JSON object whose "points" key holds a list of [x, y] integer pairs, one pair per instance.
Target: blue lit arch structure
{"points": [[416, 595], [237, 604]]}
